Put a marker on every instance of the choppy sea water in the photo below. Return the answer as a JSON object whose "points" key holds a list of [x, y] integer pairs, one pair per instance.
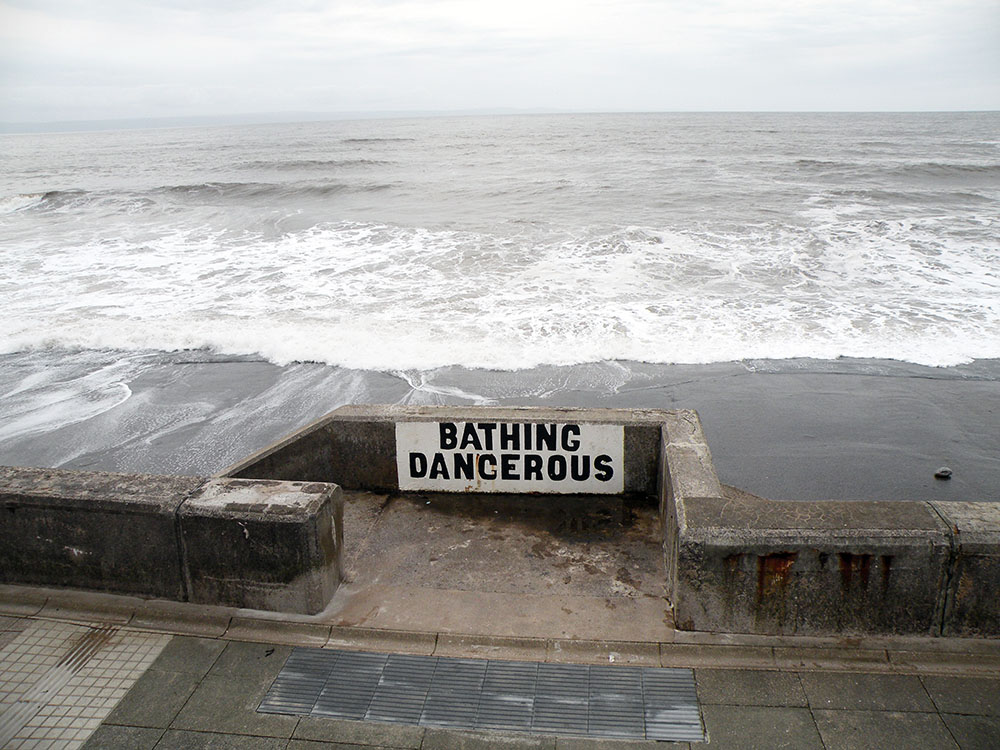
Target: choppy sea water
{"points": [[511, 242], [148, 277]]}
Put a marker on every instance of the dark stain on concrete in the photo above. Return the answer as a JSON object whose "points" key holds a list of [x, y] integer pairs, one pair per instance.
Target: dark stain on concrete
{"points": [[854, 566], [773, 573], [886, 570]]}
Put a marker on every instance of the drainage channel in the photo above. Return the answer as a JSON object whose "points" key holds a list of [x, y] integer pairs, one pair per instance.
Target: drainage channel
{"points": [[651, 703]]}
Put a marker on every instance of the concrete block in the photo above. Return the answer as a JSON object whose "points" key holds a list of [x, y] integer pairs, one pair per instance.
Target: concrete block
{"points": [[95, 530], [972, 605], [263, 544], [810, 568]]}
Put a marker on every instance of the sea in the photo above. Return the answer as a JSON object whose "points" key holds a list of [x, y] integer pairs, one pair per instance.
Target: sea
{"points": [[503, 244]]}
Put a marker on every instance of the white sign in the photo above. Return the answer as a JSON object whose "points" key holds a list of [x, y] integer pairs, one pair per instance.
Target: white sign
{"points": [[510, 457]]}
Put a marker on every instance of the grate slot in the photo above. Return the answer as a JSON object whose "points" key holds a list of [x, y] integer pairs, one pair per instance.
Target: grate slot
{"points": [[562, 699]]}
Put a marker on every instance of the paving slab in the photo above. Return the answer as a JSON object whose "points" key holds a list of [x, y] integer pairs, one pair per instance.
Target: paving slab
{"points": [[155, 699], [758, 727], [964, 695], [252, 662], [872, 692], [189, 654], [974, 732], [739, 687], [10, 623], [59, 680], [864, 730], [229, 705], [186, 740], [592, 743], [318, 745], [446, 739], [359, 733], [108, 737]]}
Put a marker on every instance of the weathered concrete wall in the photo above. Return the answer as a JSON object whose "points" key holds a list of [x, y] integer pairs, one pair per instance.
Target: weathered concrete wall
{"points": [[736, 563], [972, 605], [92, 530], [811, 568], [264, 545], [355, 446]]}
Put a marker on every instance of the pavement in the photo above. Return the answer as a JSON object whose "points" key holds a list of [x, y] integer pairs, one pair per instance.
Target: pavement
{"points": [[174, 675], [86, 669]]}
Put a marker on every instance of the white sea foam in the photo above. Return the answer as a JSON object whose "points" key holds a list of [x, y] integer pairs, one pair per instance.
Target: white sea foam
{"points": [[43, 401], [378, 297]]}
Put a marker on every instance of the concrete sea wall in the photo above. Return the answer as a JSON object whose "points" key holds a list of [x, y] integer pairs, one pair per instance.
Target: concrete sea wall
{"points": [[245, 543], [268, 532], [749, 565]]}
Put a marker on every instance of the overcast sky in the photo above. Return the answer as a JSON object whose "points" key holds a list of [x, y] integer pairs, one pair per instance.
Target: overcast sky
{"points": [[103, 59]]}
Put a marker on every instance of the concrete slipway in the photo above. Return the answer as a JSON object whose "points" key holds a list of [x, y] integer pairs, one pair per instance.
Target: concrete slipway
{"points": [[499, 578]]}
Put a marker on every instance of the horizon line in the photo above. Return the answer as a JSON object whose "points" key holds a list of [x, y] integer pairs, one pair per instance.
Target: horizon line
{"points": [[278, 118]]}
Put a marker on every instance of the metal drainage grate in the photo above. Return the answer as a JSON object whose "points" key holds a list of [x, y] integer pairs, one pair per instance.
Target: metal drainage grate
{"points": [[433, 691]]}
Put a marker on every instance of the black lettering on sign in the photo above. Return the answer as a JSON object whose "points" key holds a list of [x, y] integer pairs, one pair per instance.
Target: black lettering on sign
{"points": [[439, 469], [449, 435], [603, 471], [570, 444], [510, 437], [546, 436], [533, 466], [481, 465], [418, 465], [513, 456], [557, 467], [470, 437], [487, 428], [465, 466], [508, 466]]}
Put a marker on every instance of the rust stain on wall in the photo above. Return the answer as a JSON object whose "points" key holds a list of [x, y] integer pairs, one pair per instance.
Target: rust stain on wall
{"points": [[773, 572]]}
